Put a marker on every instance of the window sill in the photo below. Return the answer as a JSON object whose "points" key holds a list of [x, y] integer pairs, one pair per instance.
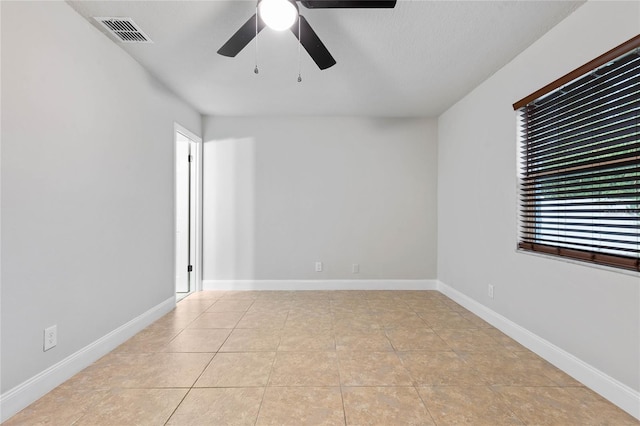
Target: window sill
{"points": [[579, 262]]}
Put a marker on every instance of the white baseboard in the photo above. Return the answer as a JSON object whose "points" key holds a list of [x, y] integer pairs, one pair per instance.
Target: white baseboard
{"points": [[618, 393], [319, 285], [18, 398]]}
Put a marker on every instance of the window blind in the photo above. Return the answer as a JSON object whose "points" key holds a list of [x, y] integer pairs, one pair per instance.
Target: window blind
{"points": [[580, 165]]}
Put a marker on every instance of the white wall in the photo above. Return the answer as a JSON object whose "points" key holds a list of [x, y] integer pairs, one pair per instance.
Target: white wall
{"points": [[87, 186], [283, 193], [591, 313]]}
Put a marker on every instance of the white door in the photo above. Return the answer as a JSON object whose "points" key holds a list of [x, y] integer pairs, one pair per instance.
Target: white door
{"points": [[183, 213]]}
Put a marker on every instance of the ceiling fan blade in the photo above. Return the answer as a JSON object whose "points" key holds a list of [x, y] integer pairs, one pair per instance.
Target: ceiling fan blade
{"points": [[312, 44], [355, 4], [242, 37]]}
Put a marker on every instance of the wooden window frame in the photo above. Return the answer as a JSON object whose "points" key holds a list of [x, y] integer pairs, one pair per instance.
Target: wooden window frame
{"points": [[536, 243]]}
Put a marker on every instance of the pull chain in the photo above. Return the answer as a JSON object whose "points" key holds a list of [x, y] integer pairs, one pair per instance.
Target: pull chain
{"points": [[299, 60], [255, 70]]}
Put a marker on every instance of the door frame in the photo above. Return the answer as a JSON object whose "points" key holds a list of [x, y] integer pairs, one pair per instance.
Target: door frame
{"points": [[196, 196]]}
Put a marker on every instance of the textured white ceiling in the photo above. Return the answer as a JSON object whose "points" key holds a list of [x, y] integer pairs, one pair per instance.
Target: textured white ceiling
{"points": [[415, 60]]}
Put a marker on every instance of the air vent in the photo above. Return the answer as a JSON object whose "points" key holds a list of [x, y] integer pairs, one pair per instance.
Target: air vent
{"points": [[124, 29]]}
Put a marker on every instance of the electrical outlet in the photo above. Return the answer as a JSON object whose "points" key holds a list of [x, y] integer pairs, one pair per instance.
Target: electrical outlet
{"points": [[490, 291], [355, 268], [318, 266], [50, 337]]}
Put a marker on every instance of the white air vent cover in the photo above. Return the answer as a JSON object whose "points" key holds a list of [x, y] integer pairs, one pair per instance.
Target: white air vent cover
{"points": [[124, 29]]}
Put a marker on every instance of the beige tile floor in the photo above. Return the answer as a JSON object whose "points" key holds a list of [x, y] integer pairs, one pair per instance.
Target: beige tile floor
{"points": [[315, 358]]}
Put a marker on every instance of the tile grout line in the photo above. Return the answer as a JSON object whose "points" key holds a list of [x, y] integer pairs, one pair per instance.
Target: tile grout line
{"points": [[506, 402], [275, 355], [424, 403], [413, 381], [177, 406], [344, 408], [203, 370]]}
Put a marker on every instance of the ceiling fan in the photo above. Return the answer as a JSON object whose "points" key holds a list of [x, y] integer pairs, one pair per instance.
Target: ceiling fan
{"points": [[283, 14]]}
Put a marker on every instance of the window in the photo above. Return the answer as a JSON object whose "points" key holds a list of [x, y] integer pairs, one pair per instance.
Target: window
{"points": [[580, 162]]}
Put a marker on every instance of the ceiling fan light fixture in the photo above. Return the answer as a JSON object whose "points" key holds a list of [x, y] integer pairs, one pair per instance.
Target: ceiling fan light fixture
{"points": [[278, 15]]}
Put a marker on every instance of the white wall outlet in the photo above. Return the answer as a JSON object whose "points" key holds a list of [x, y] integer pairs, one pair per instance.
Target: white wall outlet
{"points": [[50, 337], [318, 266], [490, 291], [355, 268]]}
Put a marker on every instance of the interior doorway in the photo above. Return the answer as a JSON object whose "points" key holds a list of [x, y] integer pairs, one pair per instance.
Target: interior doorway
{"points": [[188, 219]]}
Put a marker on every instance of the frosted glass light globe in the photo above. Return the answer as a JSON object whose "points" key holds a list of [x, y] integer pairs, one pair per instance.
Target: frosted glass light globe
{"points": [[279, 15]]}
